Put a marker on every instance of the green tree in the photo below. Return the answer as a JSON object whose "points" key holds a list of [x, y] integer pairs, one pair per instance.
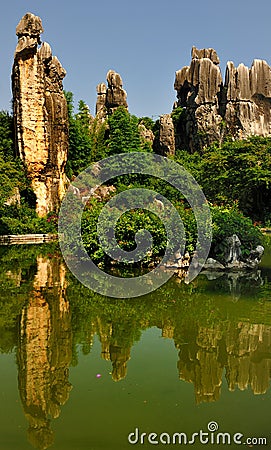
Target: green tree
{"points": [[99, 137], [80, 141], [6, 135], [123, 132], [11, 176], [238, 171]]}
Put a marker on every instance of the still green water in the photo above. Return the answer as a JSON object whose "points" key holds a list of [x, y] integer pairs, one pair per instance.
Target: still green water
{"points": [[79, 371]]}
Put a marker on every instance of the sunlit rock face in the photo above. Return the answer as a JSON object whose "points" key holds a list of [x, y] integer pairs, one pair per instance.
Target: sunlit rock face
{"points": [[239, 107], [166, 144], [40, 114], [248, 99], [110, 97]]}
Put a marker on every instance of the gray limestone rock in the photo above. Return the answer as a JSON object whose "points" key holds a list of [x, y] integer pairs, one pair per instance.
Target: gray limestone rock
{"points": [[115, 96], [233, 258], [238, 108], [213, 264], [166, 145], [111, 96]]}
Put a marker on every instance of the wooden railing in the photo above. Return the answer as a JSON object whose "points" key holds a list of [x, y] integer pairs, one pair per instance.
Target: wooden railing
{"points": [[11, 239]]}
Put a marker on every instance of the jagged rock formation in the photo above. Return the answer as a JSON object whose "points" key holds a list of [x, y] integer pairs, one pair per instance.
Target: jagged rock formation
{"points": [[146, 135], [166, 141], [239, 108], [45, 351], [40, 114], [248, 99], [111, 96], [231, 257], [101, 101]]}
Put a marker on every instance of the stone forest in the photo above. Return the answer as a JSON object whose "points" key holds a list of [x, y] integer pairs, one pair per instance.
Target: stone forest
{"points": [[80, 370]]}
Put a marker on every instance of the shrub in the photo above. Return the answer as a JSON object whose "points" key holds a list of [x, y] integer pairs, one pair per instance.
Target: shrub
{"points": [[228, 220]]}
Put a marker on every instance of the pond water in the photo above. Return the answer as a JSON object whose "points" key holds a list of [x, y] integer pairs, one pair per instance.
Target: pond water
{"points": [[80, 371]]}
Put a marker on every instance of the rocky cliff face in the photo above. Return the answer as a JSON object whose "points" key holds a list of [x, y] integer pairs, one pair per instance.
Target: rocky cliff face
{"points": [[40, 113], [239, 107], [111, 96]]}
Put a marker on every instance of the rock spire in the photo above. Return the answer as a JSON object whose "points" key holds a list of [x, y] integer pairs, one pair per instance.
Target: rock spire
{"points": [[40, 114], [110, 97], [239, 107]]}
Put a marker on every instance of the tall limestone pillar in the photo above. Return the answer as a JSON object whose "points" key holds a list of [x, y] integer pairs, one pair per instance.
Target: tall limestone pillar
{"points": [[40, 114]]}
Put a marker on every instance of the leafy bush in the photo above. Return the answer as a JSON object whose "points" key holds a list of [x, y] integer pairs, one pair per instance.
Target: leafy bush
{"points": [[227, 220], [16, 219]]}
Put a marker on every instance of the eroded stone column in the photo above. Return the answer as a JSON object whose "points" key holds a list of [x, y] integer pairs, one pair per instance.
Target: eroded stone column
{"points": [[40, 114]]}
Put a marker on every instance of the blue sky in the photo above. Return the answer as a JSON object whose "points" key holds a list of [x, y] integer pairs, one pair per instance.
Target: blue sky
{"points": [[145, 41]]}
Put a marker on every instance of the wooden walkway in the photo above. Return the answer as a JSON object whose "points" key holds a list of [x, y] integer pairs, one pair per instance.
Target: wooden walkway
{"points": [[11, 239]]}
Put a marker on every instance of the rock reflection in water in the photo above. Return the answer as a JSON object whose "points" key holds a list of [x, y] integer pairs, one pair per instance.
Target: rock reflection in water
{"points": [[243, 350], [113, 349], [235, 282], [45, 351], [213, 335]]}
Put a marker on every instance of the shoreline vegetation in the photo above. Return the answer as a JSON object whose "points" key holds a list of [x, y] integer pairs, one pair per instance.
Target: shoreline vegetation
{"points": [[234, 177]]}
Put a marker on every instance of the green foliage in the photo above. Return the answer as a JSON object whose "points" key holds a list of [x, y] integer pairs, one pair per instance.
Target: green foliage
{"points": [[228, 220], [99, 137], [91, 139], [11, 176], [6, 135], [89, 230], [11, 170], [80, 142], [238, 171], [177, 115], [123, 132], [15, 219], [147, 122]]}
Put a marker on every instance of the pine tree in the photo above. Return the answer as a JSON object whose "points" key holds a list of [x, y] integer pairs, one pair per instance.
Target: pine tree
{"points": [[123, 132]]}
